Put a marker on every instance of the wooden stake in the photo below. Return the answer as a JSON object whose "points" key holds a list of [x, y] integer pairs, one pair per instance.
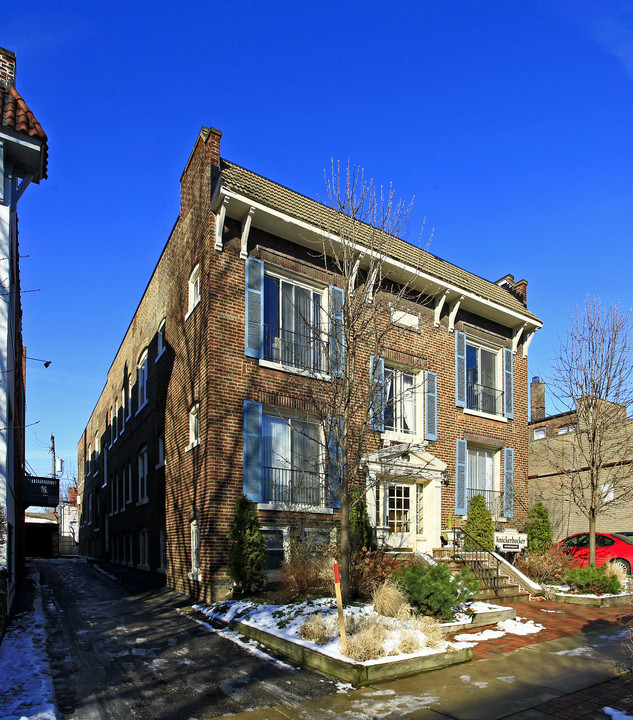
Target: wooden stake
{"points": [[339, 603]]}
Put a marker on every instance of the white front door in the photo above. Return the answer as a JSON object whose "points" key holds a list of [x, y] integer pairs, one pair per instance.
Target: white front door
{"points": [[399, 500]]}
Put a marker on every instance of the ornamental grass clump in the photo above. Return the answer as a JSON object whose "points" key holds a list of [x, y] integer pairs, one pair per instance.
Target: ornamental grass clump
{"points": [[593, 580], [316, 630], [368, 644], [433, 590], [389, 599]]}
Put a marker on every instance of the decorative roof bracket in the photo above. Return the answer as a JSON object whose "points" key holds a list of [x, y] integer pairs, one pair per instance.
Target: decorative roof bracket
{"points": [[219, 224], [438, 307], [453, 314], [516, 337], [527, 342], [246, 228]]}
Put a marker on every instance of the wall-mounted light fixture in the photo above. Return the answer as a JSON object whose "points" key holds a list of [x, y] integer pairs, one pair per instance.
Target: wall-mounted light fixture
{"points": [[46, 362]]}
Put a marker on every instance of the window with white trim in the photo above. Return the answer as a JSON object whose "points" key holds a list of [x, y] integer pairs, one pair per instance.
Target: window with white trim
{"points": [[482, 382], [400, 406], [142, 475], [90, 459], [276, 542], [540, 433], [116, 418], [293, 322], [195, 551], [123, 410], [194, 426], [194, 289], [129, 397], [142, 380], [160, 339]]}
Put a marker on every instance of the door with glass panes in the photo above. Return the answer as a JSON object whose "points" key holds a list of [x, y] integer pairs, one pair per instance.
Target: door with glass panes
{"points": [[399, 502]]}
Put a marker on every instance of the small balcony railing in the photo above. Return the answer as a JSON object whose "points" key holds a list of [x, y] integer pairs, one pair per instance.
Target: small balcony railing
{"points": [[494, 500], [303, 350], [293, 487], [484, 399]]}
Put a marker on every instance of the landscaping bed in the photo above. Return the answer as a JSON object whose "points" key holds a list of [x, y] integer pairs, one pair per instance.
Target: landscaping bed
{"points": [[594, 600]]}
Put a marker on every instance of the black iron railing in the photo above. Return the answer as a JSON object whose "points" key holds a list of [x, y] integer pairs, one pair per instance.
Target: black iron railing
{"points": [[303, 349], [471, 553], [293, 487], [484, 399], [494, 500]]}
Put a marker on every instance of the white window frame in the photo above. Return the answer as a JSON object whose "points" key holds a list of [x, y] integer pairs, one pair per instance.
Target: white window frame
{"points": [[195, 573], [495, 484], [90, 459], [142, 376], [123, 410], [540, 433], [323, 294], [160, 340], [285, 530], [397, 433], [128, 389], [194, 427], [143, 490], [116, 418], [193, 291], [498, 373]]}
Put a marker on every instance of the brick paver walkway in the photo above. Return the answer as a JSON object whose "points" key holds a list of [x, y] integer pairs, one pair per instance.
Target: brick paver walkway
{"points": [[562, 620]]}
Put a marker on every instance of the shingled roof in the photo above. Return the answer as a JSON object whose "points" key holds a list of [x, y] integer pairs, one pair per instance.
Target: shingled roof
{"points": [[15, 115], [271, 194]]}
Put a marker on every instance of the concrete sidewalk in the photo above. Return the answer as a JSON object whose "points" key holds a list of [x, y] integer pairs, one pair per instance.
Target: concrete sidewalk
{"points": [[570, 677]]}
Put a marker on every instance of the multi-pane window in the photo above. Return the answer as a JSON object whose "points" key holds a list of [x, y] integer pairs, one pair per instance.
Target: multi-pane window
{"points": [[291, 471], [142, 475], [123, 410], [194, 289], [482, 387], [90, 460], [142, 380], [540, 433], [399, 398], [116, 418], [194, 425], [275, 551], [292, 325], [399, 508], [129, 397]]}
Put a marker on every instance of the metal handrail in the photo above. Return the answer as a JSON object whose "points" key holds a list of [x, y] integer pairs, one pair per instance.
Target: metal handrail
{"points": [[304, 350], [293, 486], [472, 553]]}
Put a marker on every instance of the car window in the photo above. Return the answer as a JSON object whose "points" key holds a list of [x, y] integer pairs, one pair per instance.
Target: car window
{"points": [[625, 537], [581, 540], [604, 541]]}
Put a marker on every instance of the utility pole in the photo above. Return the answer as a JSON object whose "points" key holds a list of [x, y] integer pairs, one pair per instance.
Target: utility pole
{"points": [[53, 451]]}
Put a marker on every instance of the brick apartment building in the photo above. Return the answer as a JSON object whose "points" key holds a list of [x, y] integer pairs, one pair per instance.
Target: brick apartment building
{"points": [[554, 447], [23, 159], [206, 397]]}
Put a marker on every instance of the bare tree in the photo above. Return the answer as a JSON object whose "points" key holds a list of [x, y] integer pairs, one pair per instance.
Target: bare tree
{"points": [[593, 377], [367, 301]]}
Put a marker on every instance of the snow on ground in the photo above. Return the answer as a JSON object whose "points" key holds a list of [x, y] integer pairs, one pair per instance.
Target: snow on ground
{"points": [[26, 689], [286, 622], [616, 714]]}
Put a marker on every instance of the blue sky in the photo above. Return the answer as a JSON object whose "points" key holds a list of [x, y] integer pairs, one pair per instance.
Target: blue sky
{"points": [[510, 123]]}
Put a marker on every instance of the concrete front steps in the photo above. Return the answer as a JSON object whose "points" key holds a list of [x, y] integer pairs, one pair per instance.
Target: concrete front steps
{"points": [[508, 591]]}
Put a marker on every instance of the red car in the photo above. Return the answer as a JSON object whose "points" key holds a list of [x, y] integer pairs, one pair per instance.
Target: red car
{"points": [[610, 547]]}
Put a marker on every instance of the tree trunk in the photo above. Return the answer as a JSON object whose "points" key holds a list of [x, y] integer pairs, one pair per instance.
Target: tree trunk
{"points": [[344, 564]]}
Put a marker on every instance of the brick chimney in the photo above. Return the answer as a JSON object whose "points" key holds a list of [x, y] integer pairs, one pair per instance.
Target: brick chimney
{"points": [[521, 288], [7, 69], [537, 399]]}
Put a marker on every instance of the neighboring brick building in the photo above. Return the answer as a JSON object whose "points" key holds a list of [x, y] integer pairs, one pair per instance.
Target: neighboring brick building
{"points": [[23, 159], [554, 446], [206, 397]]}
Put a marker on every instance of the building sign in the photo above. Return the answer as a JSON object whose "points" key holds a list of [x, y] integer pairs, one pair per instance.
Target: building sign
{"points": [[42, 491], [511, 541]]}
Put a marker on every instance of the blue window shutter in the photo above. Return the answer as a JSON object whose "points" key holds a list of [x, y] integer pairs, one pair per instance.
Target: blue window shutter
{"points": [[508, 385], [337, 331], [335, 462], [460, 478], [377, 406], [254, 307], [460, 369], [252, 450], [430, 406], [508, 482]]}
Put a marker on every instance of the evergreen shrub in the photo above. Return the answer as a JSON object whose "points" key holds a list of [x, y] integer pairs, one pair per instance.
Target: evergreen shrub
{"points": [[539, 529], [433, 590], [361, 532], [593, 580], [247, 554], [479, 525]]}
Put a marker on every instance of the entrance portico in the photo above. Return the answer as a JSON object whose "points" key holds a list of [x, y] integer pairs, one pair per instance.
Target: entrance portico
{"points": [[404, 496]]}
